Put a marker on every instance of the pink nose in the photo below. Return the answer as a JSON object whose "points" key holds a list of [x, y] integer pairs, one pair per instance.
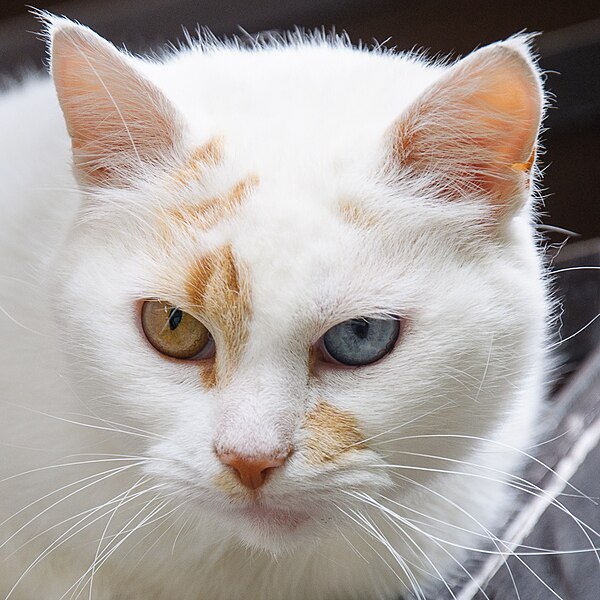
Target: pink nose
{"points": [[252, 472]]}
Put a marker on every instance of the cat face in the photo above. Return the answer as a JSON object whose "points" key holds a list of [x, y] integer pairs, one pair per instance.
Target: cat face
{"points": [[213, 284]]}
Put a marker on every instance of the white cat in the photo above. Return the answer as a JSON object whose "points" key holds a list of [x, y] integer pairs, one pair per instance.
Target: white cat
{"points": [[278, 332]]}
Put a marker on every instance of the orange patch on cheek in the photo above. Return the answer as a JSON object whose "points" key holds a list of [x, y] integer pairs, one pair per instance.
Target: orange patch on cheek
{"points": [[332, 433], [218, 289]]}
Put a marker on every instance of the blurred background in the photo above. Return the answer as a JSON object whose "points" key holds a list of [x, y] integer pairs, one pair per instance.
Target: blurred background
{"points": [[569, 47]]}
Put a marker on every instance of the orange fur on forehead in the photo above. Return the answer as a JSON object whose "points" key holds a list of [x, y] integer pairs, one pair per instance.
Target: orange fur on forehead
{"points": [[356, 215], [208, 155], [206, 214], [332, 433], [217, 287]]}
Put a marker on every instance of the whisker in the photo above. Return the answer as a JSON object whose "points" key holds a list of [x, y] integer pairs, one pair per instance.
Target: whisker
{"points": [[65, 420], [436, 539], [109, 551], [185, 524], [56, 544], [389, 514], [108, 522], [103, 477], [368, 530], [160, 537], [118, 458], [404, 424], [84, 513], [502, 445]]}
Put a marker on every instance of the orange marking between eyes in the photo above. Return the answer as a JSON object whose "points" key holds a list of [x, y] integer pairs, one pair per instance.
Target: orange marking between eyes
{"points": [[332, 433], [313, 356], [208, 373], [217, 288]]}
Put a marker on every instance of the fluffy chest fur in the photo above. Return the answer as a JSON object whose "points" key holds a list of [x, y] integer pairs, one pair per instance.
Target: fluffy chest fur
{"points": [[260, 202]]}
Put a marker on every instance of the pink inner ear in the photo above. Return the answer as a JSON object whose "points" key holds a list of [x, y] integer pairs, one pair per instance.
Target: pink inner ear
{"points": [[118, 121], [475, 127], [511, 111]]}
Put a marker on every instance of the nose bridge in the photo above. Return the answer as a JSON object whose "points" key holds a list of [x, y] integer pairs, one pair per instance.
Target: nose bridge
{"points": [[257, 414]]}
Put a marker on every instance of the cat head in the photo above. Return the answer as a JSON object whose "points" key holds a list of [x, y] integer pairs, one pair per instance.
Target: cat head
{"points": [[298, 264]]}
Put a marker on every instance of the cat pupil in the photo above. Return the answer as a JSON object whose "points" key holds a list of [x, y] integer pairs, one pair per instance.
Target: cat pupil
{"points": [[360, 328], [175, 317]]}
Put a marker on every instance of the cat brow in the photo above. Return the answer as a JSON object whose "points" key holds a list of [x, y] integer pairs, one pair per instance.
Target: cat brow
{"points": [[208, 213], [217, 286]]}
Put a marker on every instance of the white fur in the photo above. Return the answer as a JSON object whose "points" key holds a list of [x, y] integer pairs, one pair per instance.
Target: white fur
{"points": [[79, 382]]}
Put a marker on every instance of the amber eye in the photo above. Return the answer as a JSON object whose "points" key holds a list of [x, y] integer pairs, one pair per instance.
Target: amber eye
{"points": [[174, 332]]}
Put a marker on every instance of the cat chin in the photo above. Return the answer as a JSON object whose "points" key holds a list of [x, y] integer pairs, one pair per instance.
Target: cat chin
{"points": [[274, 531]]}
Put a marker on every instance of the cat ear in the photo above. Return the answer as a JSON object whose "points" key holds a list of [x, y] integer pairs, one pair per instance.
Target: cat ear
{"points": [[118, 121], [473, 133]]}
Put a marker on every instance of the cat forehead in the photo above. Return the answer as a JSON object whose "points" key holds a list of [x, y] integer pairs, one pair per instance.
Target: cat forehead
{"points": [[294, 226], [212, 187], [286, 240], [273, 222], [297, 92]]}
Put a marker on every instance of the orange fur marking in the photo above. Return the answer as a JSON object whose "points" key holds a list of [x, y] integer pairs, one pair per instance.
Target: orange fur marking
{"points": [[208, 373], [211, 153], [208, 155], [402, 143], [218, 289], [332, 433], [526, 166], [357, 215], [214, 210]]}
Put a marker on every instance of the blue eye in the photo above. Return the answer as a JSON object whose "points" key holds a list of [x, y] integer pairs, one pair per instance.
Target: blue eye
{"points": [[361, 341]]}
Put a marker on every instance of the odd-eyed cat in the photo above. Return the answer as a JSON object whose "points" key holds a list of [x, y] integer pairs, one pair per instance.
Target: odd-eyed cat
{"points": [[274, 329]]}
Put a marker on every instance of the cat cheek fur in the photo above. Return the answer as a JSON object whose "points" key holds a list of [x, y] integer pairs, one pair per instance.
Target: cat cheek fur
{"points": [[271, 223]]}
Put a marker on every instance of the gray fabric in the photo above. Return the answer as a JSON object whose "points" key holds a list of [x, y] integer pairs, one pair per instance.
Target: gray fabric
{"points": [[572, 576]]}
